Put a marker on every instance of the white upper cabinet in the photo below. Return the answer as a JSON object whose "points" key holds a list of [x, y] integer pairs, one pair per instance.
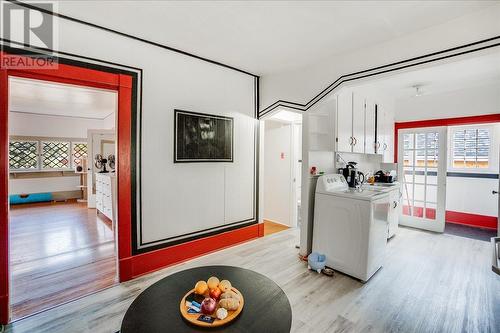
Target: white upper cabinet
{"points": [[358, 123], [370, 126], [385, 132], [344, 122], [364, 125]]}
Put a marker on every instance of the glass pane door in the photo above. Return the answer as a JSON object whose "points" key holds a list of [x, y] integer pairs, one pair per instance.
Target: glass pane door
{"points": [[422, 170]]}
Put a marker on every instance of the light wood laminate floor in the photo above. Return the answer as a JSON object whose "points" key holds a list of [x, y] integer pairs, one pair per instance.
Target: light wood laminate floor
{"points": [[429, 283], [58, 252]]}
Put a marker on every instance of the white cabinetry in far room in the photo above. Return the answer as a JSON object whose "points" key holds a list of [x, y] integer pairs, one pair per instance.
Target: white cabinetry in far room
{"points": [[104, 191]]}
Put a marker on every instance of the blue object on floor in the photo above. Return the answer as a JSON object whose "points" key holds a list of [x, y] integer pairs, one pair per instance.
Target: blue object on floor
{"points": [[17, 199], [316, 261]]}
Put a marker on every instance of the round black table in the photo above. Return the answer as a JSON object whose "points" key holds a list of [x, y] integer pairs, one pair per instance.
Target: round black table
{"points": [[156, 310]]}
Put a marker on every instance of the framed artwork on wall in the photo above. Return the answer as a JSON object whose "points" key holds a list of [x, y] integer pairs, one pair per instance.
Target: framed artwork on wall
{"points": [[201, 137]]}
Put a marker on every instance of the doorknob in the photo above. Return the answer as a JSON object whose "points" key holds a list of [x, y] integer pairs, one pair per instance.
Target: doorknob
{"points": [[494, 192]]}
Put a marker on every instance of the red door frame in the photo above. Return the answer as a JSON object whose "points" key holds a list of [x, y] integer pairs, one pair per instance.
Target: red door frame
{"points": [[474, 220], [83, 76]]}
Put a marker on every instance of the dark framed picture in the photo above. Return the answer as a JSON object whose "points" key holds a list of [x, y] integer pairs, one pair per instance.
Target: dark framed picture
{"points": [[201, 137]]}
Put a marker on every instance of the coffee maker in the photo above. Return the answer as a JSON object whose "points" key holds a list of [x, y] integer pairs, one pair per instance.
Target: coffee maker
{"points": [[352, 175]]}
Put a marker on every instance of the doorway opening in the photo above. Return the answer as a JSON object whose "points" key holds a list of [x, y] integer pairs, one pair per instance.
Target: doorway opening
{"points": [[470, 175], [62, 231], [282, 144]]}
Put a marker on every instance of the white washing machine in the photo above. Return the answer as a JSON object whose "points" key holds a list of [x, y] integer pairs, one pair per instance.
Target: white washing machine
{"points": [[350, 226]]}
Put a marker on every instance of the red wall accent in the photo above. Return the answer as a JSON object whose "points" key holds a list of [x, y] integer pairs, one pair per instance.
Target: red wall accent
{"points": [[472, 220], [129, 266], [4, 195], [482, 119], [141, 264], [84, 77]]}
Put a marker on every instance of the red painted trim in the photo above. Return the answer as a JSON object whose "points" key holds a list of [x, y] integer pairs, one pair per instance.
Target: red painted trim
{"points": [[261, 229], [481, 119], [123, 172], [141, 264], [84, 77], [4, 198], [473, 220]]}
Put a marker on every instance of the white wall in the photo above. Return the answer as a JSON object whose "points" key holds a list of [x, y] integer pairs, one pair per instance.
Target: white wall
{"points": [[22, 124], [186, 197], [277, 172], [478, 100], [303, 84]]}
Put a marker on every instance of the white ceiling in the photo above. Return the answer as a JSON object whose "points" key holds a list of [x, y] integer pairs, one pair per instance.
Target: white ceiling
{"points": [[55, 99], [269, 36], [461, 74]]}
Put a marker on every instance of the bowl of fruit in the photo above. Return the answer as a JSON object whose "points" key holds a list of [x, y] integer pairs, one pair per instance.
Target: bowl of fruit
{"points": [[212, 303]]}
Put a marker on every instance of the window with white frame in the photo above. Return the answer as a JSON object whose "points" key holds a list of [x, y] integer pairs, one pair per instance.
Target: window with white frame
{"points": [[470, 147], [32, 154]]}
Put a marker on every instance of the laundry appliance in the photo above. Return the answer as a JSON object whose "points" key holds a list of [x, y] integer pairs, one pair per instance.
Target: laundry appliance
{"points": [[350, 226]]}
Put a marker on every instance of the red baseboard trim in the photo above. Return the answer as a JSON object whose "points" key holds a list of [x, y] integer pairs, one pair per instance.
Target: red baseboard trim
{"points": [[472, 220], [135, 266]]}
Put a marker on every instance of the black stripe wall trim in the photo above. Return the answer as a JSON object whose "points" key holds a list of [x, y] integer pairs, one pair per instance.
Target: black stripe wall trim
{"points": [[123, 34], [457, 174], [387, 68], [472, 175]]}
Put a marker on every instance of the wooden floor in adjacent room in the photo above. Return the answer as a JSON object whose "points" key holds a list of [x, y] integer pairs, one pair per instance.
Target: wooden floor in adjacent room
{"points": [[58, 252], [429, 283], [273, 227]]}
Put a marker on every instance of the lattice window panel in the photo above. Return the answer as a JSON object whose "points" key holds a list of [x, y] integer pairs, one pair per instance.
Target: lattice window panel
{"points": [[23, 155], [55, 155], [79, 152]]}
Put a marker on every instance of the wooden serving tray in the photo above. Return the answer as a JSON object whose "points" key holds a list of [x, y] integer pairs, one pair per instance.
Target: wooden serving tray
{"points": [[193, 317]]}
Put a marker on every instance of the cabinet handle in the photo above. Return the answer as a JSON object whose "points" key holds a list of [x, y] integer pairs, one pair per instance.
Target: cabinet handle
{"points": [[355, 141], [494, 192], [385, 146], [351, 141], [395, 204]]}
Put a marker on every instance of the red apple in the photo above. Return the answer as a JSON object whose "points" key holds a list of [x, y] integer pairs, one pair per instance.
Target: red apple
{"points": [[208, 306], [215, 293]]}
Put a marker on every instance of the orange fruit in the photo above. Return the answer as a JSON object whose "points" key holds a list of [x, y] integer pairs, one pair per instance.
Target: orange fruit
{"points": [[201, 287]]}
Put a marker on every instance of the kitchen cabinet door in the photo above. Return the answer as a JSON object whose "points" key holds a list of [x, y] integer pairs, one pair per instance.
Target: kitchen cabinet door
{"points": [[344, 122], [358, 123], [370, 126], [386, 141]]}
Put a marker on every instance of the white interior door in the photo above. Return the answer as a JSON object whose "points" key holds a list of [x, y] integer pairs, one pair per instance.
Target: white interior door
{"points": [[422, 170]]}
